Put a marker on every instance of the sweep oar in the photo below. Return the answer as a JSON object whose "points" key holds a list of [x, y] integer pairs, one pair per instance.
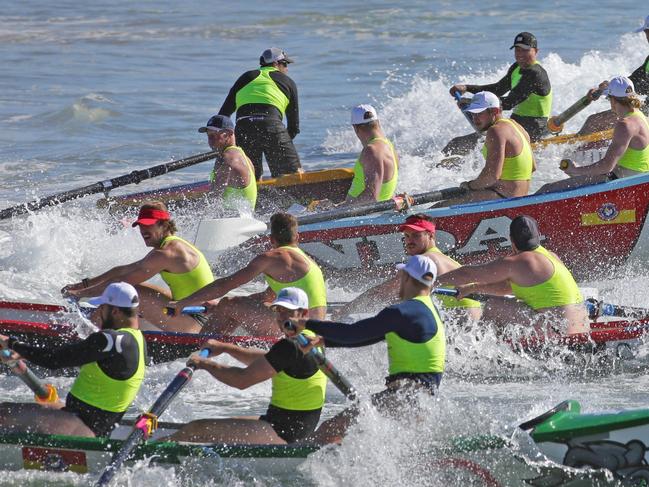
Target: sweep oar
{"points": [[555, 124], [43, 393], [330, 370], [366, 209], [148, 422], [105, 186]]}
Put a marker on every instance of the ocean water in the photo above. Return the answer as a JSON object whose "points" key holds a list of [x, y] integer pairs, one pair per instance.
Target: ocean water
{"points": [[92, 90]]}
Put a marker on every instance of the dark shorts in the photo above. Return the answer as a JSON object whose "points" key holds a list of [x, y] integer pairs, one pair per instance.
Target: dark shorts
{"points": [[402, 389], [267, 135], [101, 422], [291, 426]]}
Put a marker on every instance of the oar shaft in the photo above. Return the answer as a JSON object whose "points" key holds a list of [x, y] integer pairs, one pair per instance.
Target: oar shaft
{"points": [[555, 124], [328, 369], [366, 209], [143, 427], [105, 186]]}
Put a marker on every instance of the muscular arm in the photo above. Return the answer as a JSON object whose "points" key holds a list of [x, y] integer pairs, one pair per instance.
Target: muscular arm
{"points": [[491, 273], [220, 287], [257, 371], [490, 174], [137, 272], [244, 355], [73, 355], [222, 171], [383, 294], [622, 135]]}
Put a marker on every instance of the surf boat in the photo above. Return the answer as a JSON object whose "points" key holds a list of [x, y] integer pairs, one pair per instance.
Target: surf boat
{"points": [[560, 445], [597, 231], [273, 193], [50, 325]]}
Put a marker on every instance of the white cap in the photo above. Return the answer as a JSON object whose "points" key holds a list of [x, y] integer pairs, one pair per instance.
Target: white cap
{"points": [[291, 298], [363, 114], [272, 55], [421, 268], [120, 294], [483, 100], [645, 26], [619, 87]]}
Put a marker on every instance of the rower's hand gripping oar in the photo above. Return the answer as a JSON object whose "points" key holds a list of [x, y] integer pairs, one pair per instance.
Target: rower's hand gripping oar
{"points": [[43, 393], [325, 365], [148, 422], [555, 124], [105, 186]]}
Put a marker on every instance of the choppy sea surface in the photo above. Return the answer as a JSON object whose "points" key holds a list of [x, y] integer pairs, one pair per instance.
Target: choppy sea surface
{"points": [[93, 90]]}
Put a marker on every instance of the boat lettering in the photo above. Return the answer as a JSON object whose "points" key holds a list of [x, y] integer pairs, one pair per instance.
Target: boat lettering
{"points": [[385, 249]]}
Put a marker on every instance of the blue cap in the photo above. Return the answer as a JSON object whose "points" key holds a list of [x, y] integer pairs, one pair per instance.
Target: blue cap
{"points": [[218, 122]]}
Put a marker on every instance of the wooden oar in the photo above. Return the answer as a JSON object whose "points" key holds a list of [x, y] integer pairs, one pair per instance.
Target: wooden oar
{"points": [[555, 124], [147, 423], [366, 209], [328, 369], [43, 393], [105, 186]]}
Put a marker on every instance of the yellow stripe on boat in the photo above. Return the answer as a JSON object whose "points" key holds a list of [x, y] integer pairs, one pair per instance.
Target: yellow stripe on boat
{"points": [[624, 216], [309, 177]]}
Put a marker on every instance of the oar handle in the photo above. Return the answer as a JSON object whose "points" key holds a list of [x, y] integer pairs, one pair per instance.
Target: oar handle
{"points": [[187, 310], [43, 393], [443, 291], [327, 368]]}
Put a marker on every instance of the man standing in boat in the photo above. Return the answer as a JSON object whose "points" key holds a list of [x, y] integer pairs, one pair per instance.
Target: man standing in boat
{"points": [[181, 265], [112, 363], [233, 177], [285, 265], [530, 94], [640, 79], [415, 336], [545, 290], [509, 162], [377, 168], [298, 385], [419, 239], [262, 97], [628, 154]]}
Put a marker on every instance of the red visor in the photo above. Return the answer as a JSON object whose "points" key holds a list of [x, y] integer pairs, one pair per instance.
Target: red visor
{"points": [[149, 216], [418, 225]]}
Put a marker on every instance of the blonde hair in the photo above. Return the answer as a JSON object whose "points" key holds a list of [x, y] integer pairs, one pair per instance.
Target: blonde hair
{"points": [[631, 101], [169, 225]]}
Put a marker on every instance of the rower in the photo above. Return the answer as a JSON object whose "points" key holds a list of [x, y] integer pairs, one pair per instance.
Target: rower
{"points": [[628, 154], [285, 265], [543, 285], [298, 385], [181, 265], [509, 162], [233, 177], [530, 94], [419, 239], [414, 333], [640, 79], [377, 168], [112, 363]]}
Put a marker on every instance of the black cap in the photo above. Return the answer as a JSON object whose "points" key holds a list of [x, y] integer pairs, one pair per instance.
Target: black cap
{"points": [[525, 40], [524, 233], [218, 122]]}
